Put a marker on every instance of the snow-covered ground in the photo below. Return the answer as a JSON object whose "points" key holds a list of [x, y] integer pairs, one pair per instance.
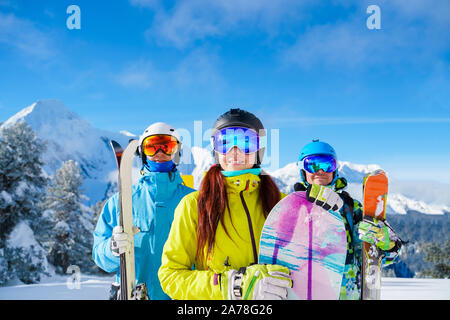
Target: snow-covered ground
{"points": [[97, 288], [415, 289], [61, 288]]}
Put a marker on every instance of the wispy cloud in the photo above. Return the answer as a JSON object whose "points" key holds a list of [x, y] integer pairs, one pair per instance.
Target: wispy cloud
{"points": [[412, 32], [196, 71], [146, 3], [191, 20], [411, 29], [8, 4], [335, 45], [320, 121], [25, 37], [138, 75]]}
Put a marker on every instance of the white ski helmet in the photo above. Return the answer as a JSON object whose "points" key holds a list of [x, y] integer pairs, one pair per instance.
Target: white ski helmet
{"points": [[160, 128]]}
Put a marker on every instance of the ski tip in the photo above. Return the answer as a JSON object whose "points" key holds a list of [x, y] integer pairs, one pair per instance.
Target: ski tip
{"points": [[116, 146], [378, 172]]}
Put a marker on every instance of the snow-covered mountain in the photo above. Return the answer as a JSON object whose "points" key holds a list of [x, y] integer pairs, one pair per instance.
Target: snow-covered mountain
{"points": [[397, 202], [69, 136], [288, 175]]}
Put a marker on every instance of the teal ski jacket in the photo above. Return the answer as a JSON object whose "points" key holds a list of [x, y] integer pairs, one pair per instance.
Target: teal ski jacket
{"points": [[155, 198], [352, 214]]}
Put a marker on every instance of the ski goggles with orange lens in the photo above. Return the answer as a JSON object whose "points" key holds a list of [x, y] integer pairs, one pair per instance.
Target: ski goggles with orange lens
{"points": [[166, 143], [245, 139], [316, 162]]}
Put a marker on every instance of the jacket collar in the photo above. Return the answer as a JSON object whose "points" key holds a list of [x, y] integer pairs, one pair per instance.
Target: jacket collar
{"points": [[161, 182], [242, 182], [339, 185]]}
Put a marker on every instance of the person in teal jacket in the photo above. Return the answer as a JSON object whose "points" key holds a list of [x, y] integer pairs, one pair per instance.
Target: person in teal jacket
{"points": [[155, 197], [324, 186]]}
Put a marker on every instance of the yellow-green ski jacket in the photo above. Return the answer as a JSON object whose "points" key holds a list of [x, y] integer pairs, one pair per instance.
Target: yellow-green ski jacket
{"points": [[184, 278]]}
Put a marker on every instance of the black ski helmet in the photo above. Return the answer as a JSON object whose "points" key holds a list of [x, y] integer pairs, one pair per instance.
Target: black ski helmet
{"points": [[240, 118]]}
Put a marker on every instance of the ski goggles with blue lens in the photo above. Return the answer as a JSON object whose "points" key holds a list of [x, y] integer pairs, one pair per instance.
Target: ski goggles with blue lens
{"points": [[245, 139], [316, 162]]}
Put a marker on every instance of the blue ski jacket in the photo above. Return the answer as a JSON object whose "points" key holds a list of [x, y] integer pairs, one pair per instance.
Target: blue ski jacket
{"points": [[155, 198]]}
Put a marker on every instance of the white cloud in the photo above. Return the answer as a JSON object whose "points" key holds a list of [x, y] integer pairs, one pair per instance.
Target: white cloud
{"points": [[421, 188], [138, 74], [321, 121], [196, 71], [199, 69], [342, 44], [24, 37], [145, 3], [8, 4], [437, 11], [192, 20], [412, 32]]}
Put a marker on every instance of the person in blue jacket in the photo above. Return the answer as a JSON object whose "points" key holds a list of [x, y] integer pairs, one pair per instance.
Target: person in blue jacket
{"points": [[155, 198]]}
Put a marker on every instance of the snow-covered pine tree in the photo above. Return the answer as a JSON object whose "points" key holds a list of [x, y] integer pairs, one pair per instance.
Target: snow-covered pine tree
{"points": [[22, 181], [70, 242], [438, 253], [97, 209]]}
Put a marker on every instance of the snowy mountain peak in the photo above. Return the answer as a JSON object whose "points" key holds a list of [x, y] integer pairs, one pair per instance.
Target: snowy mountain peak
{"points": [[398, 202], [288, 175], [363, 168], [354, 173], [70, 137], [44, 112]]}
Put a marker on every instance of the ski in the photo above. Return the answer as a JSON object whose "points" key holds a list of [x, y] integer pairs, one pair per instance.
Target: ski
{"points": [[125, 163], [375, 189], [118, 151]]}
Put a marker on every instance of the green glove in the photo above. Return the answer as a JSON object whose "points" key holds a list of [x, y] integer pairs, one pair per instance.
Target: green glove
{"points": [[256, 282], [377, 232], [324, 197]]}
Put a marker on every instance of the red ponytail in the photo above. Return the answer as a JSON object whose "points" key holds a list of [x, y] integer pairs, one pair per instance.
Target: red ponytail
{"points": [[213, 200]]}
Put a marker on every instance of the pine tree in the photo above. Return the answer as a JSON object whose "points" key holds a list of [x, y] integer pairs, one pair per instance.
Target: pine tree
{"points": [[439, 255], [97, 208], [71, 234], [22, 181]]}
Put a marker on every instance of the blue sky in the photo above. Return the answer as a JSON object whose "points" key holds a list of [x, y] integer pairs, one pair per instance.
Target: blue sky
{"points": [[311, 69]]}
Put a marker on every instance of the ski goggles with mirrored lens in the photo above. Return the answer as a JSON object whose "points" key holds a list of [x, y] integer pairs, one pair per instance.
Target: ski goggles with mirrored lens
{"points": [[247, 140], [316, 162], [164, 142]]}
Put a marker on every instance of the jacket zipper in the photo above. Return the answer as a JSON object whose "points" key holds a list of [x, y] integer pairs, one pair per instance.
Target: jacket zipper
{"points": [[249, 219]]}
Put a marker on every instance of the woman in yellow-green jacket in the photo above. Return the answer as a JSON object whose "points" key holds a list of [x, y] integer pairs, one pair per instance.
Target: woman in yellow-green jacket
{"points": [[212, 248]]}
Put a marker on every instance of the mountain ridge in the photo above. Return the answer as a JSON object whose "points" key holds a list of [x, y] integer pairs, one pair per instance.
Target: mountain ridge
{"points": [[69, 136]]}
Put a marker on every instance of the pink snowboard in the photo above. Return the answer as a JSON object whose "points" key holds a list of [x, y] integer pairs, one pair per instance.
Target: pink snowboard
{"points": [[311, 242]]}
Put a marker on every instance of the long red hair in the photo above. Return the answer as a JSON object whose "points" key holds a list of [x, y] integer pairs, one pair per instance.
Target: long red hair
{"points": [[213, 202]]}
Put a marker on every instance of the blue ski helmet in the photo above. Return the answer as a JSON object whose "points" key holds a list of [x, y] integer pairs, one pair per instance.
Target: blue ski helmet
{"points": [[312, 148]]}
